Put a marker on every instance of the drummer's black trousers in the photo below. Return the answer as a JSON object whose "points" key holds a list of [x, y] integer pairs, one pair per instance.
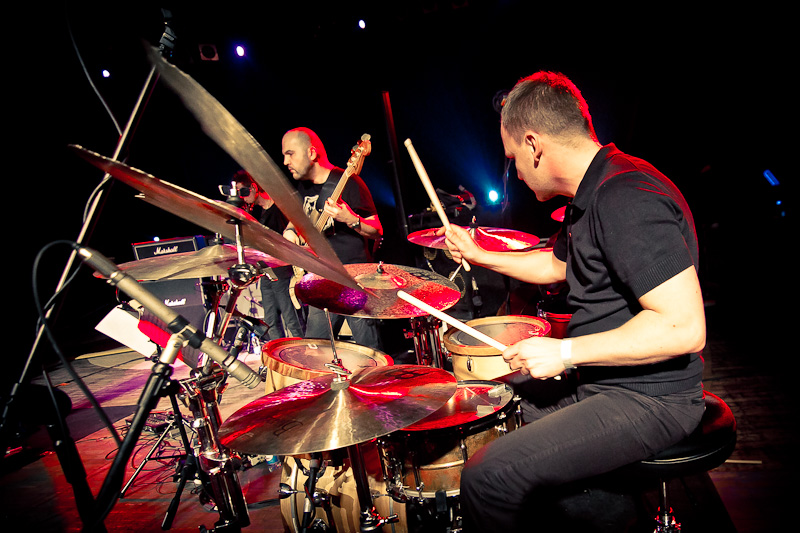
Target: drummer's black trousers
{"points": [[588, 432]]}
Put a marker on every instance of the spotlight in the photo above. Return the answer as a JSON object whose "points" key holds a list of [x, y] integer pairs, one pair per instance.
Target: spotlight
{"points": [[362, 24], [493, 196], [106, 73], [240, 51]]}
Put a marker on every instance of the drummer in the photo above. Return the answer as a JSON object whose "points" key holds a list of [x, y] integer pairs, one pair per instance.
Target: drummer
{"points": [[628, 252], [279, 311], [354, 223]]}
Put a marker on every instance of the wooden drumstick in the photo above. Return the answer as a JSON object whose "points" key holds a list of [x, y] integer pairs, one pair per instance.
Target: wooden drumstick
{"points": [[452, 321], [469, 330], [426, 182]]}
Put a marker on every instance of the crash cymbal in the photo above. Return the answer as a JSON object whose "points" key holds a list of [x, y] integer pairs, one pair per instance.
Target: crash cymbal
{"points": [[379, 299], [206, 262], [326, 414], [490, 239], [219, 217]]}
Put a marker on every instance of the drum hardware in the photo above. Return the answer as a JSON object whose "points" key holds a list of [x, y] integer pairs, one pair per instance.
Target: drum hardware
{"points": [[427, 341], [422, 463], [174, 421], [215, 460]]}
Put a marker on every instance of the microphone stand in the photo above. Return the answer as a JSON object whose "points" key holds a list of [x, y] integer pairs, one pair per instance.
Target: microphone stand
{"points": [[59, 432]]}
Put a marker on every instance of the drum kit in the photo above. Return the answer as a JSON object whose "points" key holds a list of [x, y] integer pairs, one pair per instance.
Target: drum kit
{"points": [[351, 425]]}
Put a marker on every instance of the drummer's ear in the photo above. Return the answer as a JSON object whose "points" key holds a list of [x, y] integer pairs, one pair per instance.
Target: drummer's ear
{"points": [[533, 142]]}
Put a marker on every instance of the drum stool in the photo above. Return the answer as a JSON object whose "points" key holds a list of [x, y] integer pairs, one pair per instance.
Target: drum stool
{"points": [[706, 448]]}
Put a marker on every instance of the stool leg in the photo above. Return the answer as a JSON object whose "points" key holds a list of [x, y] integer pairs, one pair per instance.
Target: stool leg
{"points": [[665, 521]]}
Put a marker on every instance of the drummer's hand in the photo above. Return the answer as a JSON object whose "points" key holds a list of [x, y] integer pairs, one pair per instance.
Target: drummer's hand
{"points": [[539, 357], [340, 212], [460, 243]]}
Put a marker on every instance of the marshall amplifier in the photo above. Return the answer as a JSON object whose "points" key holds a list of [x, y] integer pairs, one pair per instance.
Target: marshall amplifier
{"points": [[144, 250], [185, 296]]}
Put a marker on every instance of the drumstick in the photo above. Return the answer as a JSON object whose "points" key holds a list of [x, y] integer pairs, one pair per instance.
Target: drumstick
{"points": [[454, 322], [426, 182]]}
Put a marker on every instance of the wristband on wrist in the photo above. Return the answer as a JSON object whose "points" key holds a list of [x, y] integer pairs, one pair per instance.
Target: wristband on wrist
{"points": [[566, 354], [355, 224]]}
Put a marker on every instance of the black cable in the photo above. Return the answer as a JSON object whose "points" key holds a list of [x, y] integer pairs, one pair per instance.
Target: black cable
{"points": [[45, 324]]}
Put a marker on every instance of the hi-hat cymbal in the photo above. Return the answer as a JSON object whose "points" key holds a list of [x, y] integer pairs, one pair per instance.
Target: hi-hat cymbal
{"points": [[219, 217], [325, 414], [206, 262], [490, 239], [379, 298]]}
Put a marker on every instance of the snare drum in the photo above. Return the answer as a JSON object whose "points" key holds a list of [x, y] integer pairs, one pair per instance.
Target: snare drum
{"points": [[473, 359], [291, 360], [428, 456]]}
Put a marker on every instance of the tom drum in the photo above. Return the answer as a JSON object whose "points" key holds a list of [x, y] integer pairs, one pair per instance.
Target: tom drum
{"points": [[474, 359]]}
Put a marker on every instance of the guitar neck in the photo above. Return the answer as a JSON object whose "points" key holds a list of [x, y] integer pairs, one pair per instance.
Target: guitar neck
{"points": [[335, 196]]}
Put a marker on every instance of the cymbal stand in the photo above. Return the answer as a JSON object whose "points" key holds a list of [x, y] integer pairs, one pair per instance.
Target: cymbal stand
{"points": [[202, 398], [175, 421], [371, 520]]}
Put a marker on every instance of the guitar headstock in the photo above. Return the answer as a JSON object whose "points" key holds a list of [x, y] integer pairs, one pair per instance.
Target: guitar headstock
{"points": [[358, 153]]}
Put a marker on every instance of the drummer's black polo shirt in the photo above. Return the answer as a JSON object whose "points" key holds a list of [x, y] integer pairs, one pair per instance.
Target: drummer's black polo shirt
{"points": [[627, 230]]}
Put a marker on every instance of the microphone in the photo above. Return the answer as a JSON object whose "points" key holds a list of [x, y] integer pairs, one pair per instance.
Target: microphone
{"points": [[175, 323], [258, 327]]}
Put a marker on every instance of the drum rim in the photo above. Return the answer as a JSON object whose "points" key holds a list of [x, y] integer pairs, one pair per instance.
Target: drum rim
{"points": [[484, 350]]}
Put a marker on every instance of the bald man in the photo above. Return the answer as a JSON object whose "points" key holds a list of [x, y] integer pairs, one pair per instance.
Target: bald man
{"points": [[351, 229]]}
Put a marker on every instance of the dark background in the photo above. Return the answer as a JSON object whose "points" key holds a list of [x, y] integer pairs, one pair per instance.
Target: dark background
{"points": [[703, 95]]}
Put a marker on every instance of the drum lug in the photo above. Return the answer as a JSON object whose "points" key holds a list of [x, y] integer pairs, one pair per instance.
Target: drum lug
{"points": [[469, 364], [502, 427]]}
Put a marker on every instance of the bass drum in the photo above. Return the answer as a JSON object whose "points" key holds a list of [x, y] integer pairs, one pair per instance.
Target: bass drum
{"points": [[291, 360], [473, 359], [341, 509]]}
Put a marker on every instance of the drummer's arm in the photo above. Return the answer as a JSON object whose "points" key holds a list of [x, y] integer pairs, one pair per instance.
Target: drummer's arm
{"points": [[537, 266]]}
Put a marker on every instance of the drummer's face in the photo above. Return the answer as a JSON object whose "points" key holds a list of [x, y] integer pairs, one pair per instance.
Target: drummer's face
{"points": [[296, 156]]}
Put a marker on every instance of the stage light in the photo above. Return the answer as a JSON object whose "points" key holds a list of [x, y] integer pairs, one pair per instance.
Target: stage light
{"points": [[240, 51], [771, 178], [362, 24], [493, 196], [106, 73]]}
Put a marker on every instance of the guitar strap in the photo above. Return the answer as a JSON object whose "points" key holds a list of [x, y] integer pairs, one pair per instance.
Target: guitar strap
{"points": [[328, 187]]}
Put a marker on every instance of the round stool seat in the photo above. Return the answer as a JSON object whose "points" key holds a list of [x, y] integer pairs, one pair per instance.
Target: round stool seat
{"points": [[706, 448]]}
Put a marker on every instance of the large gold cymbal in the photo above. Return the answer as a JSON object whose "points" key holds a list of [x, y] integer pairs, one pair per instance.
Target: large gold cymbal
{"points": [[326, 414]]}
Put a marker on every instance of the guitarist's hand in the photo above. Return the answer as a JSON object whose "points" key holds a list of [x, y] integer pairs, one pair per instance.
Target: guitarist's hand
{"points": [[340, 212]]}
